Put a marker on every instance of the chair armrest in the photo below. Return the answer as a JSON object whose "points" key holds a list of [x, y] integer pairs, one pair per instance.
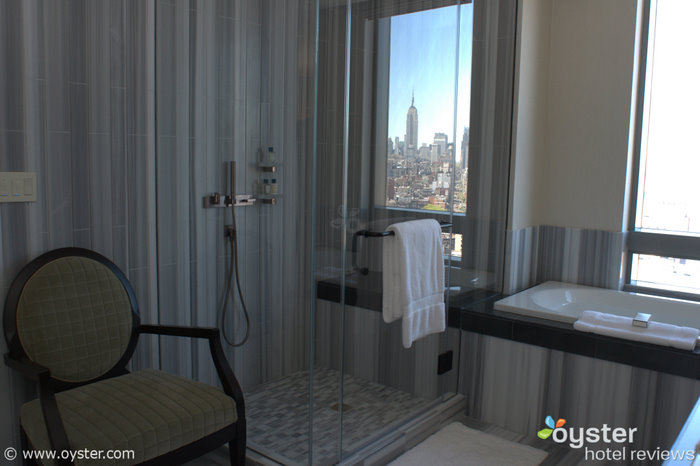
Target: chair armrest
{"points": [[47, 399], [223, 369], [180, 331]]}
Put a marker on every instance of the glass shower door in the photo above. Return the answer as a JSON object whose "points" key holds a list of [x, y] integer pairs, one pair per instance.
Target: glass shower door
{"points": [[393, 89]]}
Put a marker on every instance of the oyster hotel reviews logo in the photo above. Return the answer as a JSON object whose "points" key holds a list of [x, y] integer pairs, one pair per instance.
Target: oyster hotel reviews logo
{"points": [[545, 433], [606, 443]]}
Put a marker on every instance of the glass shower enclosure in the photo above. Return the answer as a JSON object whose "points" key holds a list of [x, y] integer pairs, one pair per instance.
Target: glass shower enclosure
{"points": [[369, 108]]}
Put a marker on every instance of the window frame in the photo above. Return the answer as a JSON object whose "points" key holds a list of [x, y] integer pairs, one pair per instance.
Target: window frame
{"points": [[380, 110], [382, 33], [638, 241]]}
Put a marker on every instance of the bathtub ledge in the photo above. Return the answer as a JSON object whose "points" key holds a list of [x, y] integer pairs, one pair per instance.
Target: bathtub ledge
{"points": [[482, 318]]}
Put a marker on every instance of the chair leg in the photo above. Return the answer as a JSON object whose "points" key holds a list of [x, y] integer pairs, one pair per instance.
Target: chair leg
{"points": [[237, 446], [24, 446]]}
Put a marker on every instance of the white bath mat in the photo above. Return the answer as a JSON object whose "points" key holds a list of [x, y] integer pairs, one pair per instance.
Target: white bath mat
{"points": [[457, 444]]}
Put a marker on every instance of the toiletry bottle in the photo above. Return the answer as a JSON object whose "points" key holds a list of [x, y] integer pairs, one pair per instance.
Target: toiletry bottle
{"points": [[273, 186], [271, 157], [266, 186]]}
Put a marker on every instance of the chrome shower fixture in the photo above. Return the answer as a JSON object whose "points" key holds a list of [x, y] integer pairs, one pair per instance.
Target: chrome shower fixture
{"points": [[229, 200]]}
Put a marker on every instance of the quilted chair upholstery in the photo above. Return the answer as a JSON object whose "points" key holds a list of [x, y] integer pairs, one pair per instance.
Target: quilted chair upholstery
{"points": [[74, 317], [71, 323]]}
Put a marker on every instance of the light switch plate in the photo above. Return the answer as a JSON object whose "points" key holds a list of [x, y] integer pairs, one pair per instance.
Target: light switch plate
{"points": [[17, 187]]}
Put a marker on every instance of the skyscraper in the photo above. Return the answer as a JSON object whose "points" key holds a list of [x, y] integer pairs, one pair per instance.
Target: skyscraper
{"points": [[434, 153], [465, 147], [440, 140], [411, 129]]}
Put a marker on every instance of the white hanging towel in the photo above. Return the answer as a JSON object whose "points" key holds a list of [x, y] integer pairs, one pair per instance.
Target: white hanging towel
{"points": [[414, 279]]}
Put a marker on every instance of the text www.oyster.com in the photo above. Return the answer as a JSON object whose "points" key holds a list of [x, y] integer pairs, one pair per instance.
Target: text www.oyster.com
{"points": [[71, 455]]}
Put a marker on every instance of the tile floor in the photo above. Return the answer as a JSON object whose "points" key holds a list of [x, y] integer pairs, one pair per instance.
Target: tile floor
{"points": [[557, 455], [277, 415]]}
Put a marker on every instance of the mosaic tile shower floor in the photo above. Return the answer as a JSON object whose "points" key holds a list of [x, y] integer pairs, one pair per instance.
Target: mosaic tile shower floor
{"points": [[277, 415]]}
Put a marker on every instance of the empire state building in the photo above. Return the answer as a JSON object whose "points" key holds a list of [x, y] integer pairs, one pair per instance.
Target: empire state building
{"points": [[411, 137]]}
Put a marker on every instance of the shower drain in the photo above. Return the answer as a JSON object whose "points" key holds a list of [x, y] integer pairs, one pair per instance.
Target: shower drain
{"points": [[336, 407]]}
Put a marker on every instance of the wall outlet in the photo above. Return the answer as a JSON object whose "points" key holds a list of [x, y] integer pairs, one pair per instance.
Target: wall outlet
{"points": [[444, 362], [17, 187]]}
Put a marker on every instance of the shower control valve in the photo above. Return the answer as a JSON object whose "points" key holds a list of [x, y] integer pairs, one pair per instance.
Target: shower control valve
{"points": [[220, 200], [242, 200]]}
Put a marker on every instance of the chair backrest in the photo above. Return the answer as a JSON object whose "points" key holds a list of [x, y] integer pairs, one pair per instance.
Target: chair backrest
{"points": [[72, 311]]}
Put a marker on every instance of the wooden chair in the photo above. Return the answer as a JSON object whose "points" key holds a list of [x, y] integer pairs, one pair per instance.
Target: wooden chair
{"points": [[71, 324]]}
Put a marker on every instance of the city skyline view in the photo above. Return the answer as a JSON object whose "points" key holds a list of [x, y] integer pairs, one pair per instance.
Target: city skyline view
{"points": [[424, 113], [422, 60]]}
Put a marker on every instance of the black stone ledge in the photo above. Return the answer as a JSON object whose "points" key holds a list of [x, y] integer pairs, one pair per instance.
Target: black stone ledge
{"points": [[474, 312], [483, 318], [365, 291]]}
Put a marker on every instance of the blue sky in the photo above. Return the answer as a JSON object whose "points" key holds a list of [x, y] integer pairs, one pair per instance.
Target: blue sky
{"points": [[423, 60]]}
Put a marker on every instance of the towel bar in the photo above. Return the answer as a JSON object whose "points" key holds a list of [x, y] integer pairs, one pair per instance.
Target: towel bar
{"points": [[380, 234], [374, 234]]}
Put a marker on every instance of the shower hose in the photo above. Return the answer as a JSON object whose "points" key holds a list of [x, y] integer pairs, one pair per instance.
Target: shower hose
{"points": [[233, 271]]}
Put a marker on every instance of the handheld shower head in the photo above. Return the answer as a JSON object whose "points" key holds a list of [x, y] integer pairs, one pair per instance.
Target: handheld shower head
{"points": [[232, 179]]}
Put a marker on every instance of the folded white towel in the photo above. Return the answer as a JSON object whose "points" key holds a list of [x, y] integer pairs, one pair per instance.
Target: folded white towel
{"points": [[414, 279], [657, 333]]}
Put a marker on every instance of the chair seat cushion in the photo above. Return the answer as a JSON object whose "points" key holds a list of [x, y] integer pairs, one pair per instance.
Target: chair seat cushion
{"points": [[150, 412]]}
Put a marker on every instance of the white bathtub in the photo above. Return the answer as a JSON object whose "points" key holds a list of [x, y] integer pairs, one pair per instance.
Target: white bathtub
{"points": [[565, 302]]}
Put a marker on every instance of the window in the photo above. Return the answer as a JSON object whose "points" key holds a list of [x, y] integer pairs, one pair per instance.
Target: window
{"points": [[664, 241], [426, 165], [452, 165]]}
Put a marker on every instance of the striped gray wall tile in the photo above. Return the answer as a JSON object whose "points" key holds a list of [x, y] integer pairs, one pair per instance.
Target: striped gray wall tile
{"points": [[226, 90], [521, 259], [585, 257], [515, 386], [127, 111], [373, 350], [63, 89]]}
